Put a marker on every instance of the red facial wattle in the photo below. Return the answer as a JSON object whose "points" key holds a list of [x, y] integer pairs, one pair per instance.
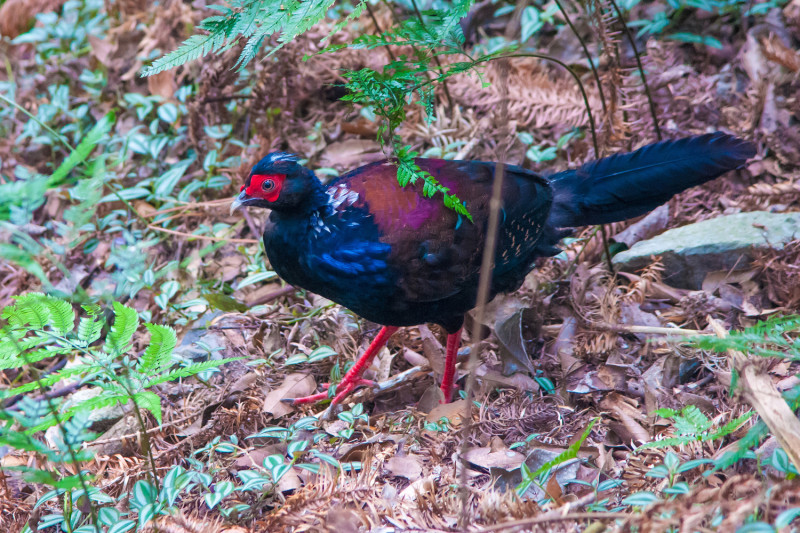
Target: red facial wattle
{"points": [[265, 186]]}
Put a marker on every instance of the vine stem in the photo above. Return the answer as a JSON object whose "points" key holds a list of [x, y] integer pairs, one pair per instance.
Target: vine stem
{"points": [[435, 58], [650, 102], [588, 57], [379, 30], [571, 73], [39, 122]]}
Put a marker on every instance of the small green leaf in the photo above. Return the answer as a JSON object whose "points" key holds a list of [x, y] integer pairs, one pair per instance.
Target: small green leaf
{"points": [[641, 499], [225, 303]]}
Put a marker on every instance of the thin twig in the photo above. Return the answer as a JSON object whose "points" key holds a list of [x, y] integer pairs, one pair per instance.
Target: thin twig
{"points": [[379, 30], [190, 205], [588, 58], [202, 237], [435, 58], [641, 69], [484, 287], [555, 518]]}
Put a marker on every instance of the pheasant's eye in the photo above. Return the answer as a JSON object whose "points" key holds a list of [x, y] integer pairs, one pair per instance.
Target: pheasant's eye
{"points": [[267, 185]]}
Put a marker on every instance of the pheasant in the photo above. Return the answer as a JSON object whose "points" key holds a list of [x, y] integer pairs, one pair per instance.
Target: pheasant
{"points": [[398, 258]]}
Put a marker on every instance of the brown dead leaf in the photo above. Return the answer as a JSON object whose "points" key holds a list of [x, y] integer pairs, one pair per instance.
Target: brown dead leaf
{"points": [[351, 153], [103, 50], [554, 491], [406, 466], [18, 16], [340, 520], [517, 381], [162, 84], [421, 487], [625, 411], [514, 354], [655, 222], [294, 386], [775, 50], [432, 349], [451, 411], [483, 459]]}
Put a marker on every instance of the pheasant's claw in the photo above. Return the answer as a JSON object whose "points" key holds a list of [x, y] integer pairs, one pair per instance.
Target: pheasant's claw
{"points": [[343, 389]]}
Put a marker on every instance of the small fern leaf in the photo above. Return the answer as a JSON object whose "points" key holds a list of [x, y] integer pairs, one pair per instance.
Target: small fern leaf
{"points": [[188, 371], [356, 13], [192, 48], [89, 330], [32, 357], [126, 320], [27, 310], [62, 315], [150, 401], [158, 353]]}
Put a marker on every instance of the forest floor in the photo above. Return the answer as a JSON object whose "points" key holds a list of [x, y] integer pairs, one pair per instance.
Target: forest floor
{"points": [[396, 459]]}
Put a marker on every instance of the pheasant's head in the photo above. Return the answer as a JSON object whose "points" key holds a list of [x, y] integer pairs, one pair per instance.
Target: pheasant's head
{"points": [[277, 182]]}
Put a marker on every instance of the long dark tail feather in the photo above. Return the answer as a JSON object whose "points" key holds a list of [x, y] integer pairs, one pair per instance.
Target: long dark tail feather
{"points": [[624, 186]]}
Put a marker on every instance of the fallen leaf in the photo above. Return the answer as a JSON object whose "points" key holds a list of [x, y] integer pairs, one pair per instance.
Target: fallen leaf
{"points": [[406, 466], [483, 459], [224, 302], [340, 520], [453, 412], [162, 84], [513, 353], [351, 153], [653, 223], [294, 386], [432, 349], [421, 487], [518, 380]]}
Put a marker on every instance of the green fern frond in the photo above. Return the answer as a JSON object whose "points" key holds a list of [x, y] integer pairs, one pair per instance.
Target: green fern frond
{"points": [[150, 401], [305, 15], [106, 399], [32, 357], [357, 11], [89, 330], [158, 353], [731, 426], [188, 371], [666, 443], [192, 48], [126, 320], [46, 381], [27, 310], [62, 315]]}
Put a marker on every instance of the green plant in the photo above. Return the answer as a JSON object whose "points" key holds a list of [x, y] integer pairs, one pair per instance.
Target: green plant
{"points": [[41, 327], [691, 425], [669, 470], [541, 474]]}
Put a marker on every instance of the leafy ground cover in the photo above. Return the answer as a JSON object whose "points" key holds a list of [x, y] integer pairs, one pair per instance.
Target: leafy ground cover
{"points": [[143, 392]]}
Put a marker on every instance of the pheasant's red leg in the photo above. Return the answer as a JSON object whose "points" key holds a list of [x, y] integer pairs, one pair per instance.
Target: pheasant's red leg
{"points": [[448, 380], [353, 379]]}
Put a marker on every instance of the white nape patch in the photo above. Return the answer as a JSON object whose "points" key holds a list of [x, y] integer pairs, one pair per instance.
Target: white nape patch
{"points": [[276, 157], [342, 195]]}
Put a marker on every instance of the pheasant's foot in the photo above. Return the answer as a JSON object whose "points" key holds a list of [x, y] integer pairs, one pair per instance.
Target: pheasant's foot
{"points": [[345, 387]]}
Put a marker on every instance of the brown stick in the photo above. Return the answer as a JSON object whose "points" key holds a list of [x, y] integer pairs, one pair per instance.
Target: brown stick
{"points": [[201, 237]]}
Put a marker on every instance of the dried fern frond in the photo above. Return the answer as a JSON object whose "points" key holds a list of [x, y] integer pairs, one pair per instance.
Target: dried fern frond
{"points": [[537, 97]]}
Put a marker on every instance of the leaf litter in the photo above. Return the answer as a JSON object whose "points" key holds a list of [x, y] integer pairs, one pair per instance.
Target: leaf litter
{"points": [[572, 338]]}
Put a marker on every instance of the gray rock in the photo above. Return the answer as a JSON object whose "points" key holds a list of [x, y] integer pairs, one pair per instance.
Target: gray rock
{"points": [[722, 243]]}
